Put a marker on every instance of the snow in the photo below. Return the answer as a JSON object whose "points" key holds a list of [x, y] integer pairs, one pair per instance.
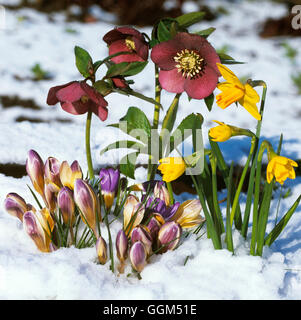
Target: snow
{"points": [[25, 273]]}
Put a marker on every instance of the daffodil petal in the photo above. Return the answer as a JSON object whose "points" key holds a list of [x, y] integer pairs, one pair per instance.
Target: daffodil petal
{"points": [[229, 75]]}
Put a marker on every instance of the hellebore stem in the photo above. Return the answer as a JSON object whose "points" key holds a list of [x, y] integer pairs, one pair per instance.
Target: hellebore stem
{"points": [[88, 147]]}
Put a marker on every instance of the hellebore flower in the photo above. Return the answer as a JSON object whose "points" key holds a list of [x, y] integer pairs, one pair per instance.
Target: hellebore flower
{"points": [[35, 171], [68, 174], [133, 214], [77, 97], [109, 185], [66, 204], [281, 168], [101, 249], [187, 63], [221, 133], [121, 245], [169, 236], [87, 201], [52, 173], [39, 225], [15, 205], [125, 39], [171, 168], [188, 214], [234, 91], [138, 256]]}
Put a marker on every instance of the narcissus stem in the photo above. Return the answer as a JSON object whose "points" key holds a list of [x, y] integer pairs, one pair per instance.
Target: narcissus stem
{"points": [[88, 147], [170, 191]]}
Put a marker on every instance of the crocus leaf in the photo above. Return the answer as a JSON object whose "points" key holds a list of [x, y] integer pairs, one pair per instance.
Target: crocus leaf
{"points": [[206, 32], [83, 62], [124, 144], [209, 101], [133, 122], [188, 19], [273, 235], [128, 164]]}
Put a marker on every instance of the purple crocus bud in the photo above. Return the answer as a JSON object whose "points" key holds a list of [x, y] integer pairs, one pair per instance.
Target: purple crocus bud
{"points": [[15, 205], [50, 197], [121, 245], [87, 201], [169, 236], [101, 249], [155, 224], [161, 192], [109, 179], [68, 174], [35, 171], [66, 204], [52, 173], [140, 233], [138, 256]]}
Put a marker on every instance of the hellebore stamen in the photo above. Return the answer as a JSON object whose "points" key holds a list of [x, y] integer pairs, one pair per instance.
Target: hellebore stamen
{"points": [[130, 43], [189, 63]]}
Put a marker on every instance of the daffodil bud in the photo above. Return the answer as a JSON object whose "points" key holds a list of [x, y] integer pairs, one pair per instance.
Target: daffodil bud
{"points": [[138, 256], [109, 179], [140, 233], [35, 171], [52, 173], [133, 214], [66, 204], [101, 249], [87, 201], [188, 214], [15, 205], [169, 236], [121, 245], [68, 174], [50, 197]]}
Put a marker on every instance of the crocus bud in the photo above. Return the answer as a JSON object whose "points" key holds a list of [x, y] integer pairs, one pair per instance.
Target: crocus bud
{"points": [[169, 236], [50, 197], [35, 226], [109, 179], [101, 249], [15, 205], [52, 173], [121, 245], [161, 192], [138, 256], [35, 171], [155, 224], [87, 201], [133, 213], [66, 204], [188, 214], [140, 233], [68, 174]]}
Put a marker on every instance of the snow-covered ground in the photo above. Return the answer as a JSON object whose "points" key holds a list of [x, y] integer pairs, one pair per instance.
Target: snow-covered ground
{"points": [[25, 273]]}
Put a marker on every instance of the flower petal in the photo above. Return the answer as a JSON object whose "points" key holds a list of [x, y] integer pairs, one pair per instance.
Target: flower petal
{"points": [[71, 93], [172, 80], [229, 75], [120, 46]]}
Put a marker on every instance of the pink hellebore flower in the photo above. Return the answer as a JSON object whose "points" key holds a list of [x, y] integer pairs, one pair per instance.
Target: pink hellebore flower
{"points": [[77, 97], [187, 63], [126, 39]]}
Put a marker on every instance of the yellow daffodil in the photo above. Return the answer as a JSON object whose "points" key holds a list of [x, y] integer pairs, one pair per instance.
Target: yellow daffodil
{"points": [[221, 133], [235, 91], [281, 168], [171, 168]]}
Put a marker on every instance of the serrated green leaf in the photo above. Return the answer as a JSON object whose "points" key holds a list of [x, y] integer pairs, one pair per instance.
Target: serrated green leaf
{"points": [[209, 101], [128, 164], [83, 62], [188, 19]]}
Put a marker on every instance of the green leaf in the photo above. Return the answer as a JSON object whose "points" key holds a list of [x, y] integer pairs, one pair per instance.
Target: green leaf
{"points": [[273, 235], [123, 144], [206, 32], [224, 56], [126, 69], [103, 87], [163, 33], [83, 62], [134, 119], [209, 101], [128, 164], [188, 19]]}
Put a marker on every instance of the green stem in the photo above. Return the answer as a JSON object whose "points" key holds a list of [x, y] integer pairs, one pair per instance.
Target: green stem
{"points": [[88, 147], [242, 179], [170, 191], [110, 243]]}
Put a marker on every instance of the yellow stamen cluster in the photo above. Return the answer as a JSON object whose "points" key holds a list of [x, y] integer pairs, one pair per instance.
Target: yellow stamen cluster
{"points": [[189, 63], [130, 43]]}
